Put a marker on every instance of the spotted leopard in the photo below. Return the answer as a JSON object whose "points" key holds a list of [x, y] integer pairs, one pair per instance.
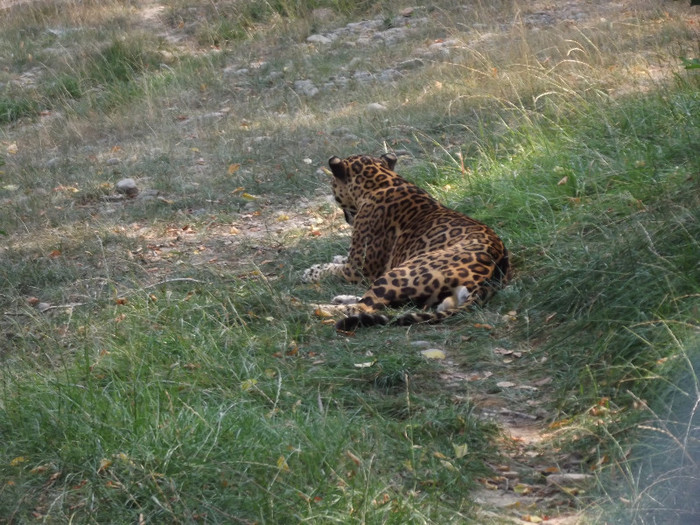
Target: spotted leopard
{"points": [[412, 248]]}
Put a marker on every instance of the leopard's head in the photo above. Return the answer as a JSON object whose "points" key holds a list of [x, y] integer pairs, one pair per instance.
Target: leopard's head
{"points": [[356, 176]]}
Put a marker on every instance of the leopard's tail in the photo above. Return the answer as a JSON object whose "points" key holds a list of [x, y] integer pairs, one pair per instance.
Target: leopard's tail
{"points": [[364, 320], [501, 276], [425, 317], [354, 321]]}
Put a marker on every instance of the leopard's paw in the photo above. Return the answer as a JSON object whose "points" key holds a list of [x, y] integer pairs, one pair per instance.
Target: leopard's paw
{"points": [[346, 299]]}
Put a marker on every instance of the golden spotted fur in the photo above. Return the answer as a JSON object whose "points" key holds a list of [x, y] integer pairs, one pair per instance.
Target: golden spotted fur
{"points": [[412, 248]]}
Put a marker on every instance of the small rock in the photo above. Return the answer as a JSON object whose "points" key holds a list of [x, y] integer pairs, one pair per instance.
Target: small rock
{"points": [[393, 36], [149, 195], [53, 162], [167, 57], [306, 88], [413, 63], [389, 74], [43, 307], [274, 75], [569, 480], [376, 107], [319, 39], [212, 116], [113, 161], [362, 76], [127, 187]]}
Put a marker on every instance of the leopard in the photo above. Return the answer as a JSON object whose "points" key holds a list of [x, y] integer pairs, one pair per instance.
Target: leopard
{"points": [[410, 247]]}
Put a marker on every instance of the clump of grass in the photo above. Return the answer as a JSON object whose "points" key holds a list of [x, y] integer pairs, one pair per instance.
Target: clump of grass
{"points": [[14, 108]]}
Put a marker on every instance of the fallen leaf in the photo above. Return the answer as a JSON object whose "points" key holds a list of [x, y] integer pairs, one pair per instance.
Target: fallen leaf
{"points": [[449, 466], [40, 469], [563, 181], [282, 464], [433, 353], [502, 351], [249, 197], [531, 518], [366, 364], [12, 149], [233, 168], [505, 384], [460, 450], [248, 384], [104, 465], [320, 312], [383, 500], [488, 484], [18, 461], [67, 189], [522, 489], [357, 461]]}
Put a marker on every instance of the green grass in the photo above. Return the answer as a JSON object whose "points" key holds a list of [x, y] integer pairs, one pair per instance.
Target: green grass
{"points": [[193, 400], [160, 357]]}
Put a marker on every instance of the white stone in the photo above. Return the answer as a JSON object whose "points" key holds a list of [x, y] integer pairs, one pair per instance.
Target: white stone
{"points": [[376, 107], [319, 39]]}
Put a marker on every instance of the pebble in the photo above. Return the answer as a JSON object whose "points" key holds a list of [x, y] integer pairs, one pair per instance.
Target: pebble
{"points": [[319, 39], [376, 107], [306, 88], [127, 187]]}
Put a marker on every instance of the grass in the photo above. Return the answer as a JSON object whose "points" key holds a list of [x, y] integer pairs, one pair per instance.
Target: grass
{"points": [[160, 360]]}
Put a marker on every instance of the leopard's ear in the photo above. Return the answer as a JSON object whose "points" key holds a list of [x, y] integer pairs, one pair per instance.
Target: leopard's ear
{"points": [[337, 167], [390, 159]]}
